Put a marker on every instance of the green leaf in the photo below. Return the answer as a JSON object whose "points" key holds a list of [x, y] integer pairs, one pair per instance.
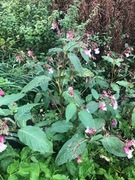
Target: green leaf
{"points": [[92, 106], [85, 56], [133, 118], [70, 111], [123, 83], [86, 118], [60, 177], [94, 93], [37, 81], [75, 61], [87, 73], [8, 99], [23, 114], [61, 126], [35, 138], [5, 112], [88, 121], [108, 59], [58, 50], [114, 145], [71, 149]]}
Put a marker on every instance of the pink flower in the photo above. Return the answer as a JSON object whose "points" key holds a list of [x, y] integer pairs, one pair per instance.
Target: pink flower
{"points": [[102, 106], [2, 139], [54, 26], [30, 53], [87, 52], [90, 131], [59, 33], [96, 50], [2, 147], [50, 70], [79, 160], [114, 104], [130, 143], [112, 97], [2, 93], [70, 35], [104, 94], [128, 152], [70, 91], [114, 122]]}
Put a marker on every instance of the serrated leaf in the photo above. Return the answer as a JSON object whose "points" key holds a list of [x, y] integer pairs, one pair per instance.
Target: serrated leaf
{"points": [[23, 114], [114, 145], [133, 118], [94, 93], [37, 81], [35, 138], [75, 146], [70, 111], [61, 126], [8, 99], [75, 61]]}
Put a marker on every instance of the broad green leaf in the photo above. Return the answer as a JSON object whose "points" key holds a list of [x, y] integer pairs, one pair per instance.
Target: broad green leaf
{"points": [[133, 118], [61, 126], [70, 111], [5, 112], [92, 106], [60, 177], [88, 121], [71, 149], [87, 73], [114, 145], [58, 50], [8, 99], [123, 83], [101, 82], [75, 61], [34, 171], [23, 114], [37, 81], [86, 118], [70, 46], [94, 93], [35, 138], [108, 59]]}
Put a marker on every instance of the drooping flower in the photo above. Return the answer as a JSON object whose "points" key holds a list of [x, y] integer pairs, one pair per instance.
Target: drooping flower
{"points": [[79, 160], [2, 147], [30, 53], [87, 52], [114, 122], [128, 151], [54, 26], [130, 143], [97, 51], [2, 93], [114, 104], [104, 94], [2, 139], [50, 70], [71, 91], [90, 131], [70, 35], [102, 106]]}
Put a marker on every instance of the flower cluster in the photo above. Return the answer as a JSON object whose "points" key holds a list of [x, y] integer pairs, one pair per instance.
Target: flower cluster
{"points": [[2, 145], [129, 148]]}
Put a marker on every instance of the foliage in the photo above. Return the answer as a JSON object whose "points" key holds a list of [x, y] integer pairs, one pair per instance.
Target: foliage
{"points": [[72, 107]]}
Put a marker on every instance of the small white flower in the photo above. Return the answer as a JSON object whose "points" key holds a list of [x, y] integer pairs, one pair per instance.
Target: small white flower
{"points": [[2, 147]]}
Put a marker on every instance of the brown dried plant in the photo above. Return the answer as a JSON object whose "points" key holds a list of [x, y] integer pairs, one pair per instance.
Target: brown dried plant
{"points": [[113, 17]]}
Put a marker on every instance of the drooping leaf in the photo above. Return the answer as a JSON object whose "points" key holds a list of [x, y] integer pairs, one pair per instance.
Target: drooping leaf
{"points": [[75, 61], [70, 111], [8, 99], [114, 145], [94, 93], [23, 114], [61, 126], [133, 118], [71, 149], [37, 81], [35, 138]]}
